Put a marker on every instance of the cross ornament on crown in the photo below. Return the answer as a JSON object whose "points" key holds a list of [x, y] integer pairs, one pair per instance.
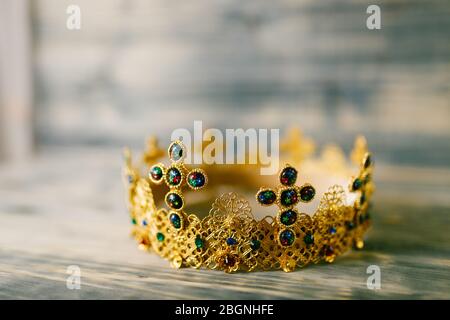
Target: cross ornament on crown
{"points": [[176, 176], [286, 195]]}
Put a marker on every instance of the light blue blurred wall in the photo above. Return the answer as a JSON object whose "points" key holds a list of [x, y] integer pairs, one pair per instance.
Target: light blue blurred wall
{"points": [[138, 67]]}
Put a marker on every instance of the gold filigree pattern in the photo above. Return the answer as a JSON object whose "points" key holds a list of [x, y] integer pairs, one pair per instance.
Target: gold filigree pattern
{"points": [[229, 238]]}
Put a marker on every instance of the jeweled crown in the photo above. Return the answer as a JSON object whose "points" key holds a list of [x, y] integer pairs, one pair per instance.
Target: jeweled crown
{"points": [[229, 238]]}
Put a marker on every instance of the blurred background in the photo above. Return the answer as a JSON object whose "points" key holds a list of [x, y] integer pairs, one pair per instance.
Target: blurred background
{"points": [[139, 67], [71, 99]]}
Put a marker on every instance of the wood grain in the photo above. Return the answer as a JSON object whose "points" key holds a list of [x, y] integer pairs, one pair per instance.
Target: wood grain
{"points": [[68, 208]]}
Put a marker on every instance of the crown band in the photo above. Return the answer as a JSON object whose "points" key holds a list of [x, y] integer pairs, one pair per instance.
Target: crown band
{"points": [[229, 238]]}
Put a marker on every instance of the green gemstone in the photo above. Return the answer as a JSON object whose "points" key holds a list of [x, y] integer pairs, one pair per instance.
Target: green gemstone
{"points": [[199, 242], [308, 238], [133, 221], [255, 244], [357, 184], [156, 173], [160, 237]]}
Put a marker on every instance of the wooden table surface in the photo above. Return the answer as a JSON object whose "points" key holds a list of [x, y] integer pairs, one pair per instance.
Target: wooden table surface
{"points": [[67, 207]]}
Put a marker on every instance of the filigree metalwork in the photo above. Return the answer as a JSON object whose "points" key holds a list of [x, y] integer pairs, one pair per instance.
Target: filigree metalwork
{"points": [[229, 238]]}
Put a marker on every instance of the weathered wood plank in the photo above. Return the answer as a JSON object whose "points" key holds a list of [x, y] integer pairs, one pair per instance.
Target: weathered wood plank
{"points": [[69, 209]]}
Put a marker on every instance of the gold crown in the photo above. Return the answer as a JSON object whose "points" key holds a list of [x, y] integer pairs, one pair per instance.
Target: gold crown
{"points": [[229, 238]]}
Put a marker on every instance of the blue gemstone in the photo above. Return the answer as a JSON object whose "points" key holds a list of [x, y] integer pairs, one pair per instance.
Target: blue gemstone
{"points": [[175, 220], [130, 179], [332, 230], [231, 241], [144, 222]]}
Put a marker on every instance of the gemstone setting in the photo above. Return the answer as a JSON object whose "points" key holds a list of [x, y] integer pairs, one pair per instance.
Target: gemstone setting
{"points": [[286, 237], [156, 173], [289, 197], [266, 197], [288, 176], [160, 237], [231, 241], [174, 201], [173, 177], [368, 161], [196, 179], [175, 220], [288, 217], [199, 242], [176, 151], [357, 184], [255, 244], [307, 193], [308, 239]]}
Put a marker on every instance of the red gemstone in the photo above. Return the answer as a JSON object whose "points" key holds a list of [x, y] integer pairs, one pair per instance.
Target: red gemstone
{"points": [[229, 260], [329, 251]]}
